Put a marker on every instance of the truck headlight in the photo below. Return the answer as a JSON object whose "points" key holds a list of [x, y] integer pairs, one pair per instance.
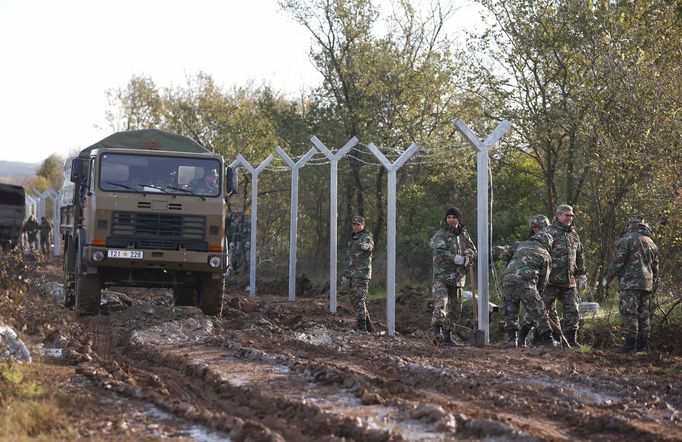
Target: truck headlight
{"points": [[214, 261], [98, 255]]}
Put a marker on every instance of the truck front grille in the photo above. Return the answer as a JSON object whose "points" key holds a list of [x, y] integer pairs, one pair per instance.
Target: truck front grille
{"points": [[157, 227]]}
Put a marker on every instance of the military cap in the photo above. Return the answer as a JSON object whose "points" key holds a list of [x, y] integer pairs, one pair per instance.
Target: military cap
{"points": [[539, 221], [565, 209], [358, 220], [211, 172], [636, 219]]}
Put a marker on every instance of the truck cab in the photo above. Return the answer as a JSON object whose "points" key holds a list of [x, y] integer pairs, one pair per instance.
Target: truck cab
{"points": [[147, 210]]}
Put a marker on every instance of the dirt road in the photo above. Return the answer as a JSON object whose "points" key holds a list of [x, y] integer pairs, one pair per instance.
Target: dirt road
{"points": [[277, 370]]}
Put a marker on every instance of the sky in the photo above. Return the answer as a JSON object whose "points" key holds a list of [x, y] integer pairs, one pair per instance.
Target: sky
{"points": [[58, 59]]}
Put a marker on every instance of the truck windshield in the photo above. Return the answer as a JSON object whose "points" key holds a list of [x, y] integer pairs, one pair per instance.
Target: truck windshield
{"points": [[120, 172]]}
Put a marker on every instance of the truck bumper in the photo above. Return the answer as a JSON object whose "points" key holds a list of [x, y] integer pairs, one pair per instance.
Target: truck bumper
{"points": [[96, 256]]}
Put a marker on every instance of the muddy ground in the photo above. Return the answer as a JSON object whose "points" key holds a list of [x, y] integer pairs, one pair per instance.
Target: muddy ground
{"points": [[272, 370]]}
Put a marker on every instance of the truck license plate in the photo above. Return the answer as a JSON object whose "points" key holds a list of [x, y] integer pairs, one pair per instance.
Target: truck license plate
{"points": [[130, 254]]}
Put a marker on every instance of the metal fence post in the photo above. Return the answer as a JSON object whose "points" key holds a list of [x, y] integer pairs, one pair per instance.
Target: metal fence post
{"points": [[254, 211], [482, 149], [392, 169], [333, 215], [293, 224]]}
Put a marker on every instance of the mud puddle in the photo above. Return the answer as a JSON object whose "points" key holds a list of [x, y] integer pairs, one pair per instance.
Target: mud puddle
{"points": [[574, 392], [184, 429], [276, 380]]}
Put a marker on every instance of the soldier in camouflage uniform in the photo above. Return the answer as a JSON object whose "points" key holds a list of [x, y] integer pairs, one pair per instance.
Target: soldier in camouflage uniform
{"points": [[357, 270], [568, 263], [45, 229], [525, 279], [31, 228], [453, 251], [504, 253], [635, 262]]}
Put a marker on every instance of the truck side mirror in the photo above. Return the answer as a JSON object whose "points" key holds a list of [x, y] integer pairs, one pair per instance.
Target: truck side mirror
{"points": [[231, 183], [77, 166]]}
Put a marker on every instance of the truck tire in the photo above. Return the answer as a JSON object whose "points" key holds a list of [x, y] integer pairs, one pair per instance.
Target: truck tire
{"points": [[184, 296], [211, 294], [87, 293]]}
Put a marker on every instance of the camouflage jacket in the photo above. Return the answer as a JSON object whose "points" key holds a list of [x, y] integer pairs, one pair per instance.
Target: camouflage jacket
{"points": [[358, 261], [635, 260], [505, 253], [445, 245], [31, 227], [529, 266], [45, 229], [568, 260]]}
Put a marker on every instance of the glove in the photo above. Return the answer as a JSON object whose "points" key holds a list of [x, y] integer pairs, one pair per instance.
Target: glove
{"points": [[582, 282], [365, 246], [469, 253], [343, 279], [461, 260], [605, 283]]}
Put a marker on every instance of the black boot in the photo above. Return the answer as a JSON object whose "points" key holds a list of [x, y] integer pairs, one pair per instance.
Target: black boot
{"points": [[511, 338], [547, 340], [572, 338], [630, 345], [448, 341], [370, 326], [362, 324], [437, 334], [641, 343], [523, 334]]}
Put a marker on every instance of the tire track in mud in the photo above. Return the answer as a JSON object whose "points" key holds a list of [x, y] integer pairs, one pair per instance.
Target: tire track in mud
{"points": [[243, 384], [570, 410]]}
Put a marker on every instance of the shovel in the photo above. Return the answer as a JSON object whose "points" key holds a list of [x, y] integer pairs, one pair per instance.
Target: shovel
{"points": [[476, 336]]}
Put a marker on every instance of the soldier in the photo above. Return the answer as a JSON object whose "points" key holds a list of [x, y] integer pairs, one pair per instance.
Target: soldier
{"points": [[525, 279], [208, 185], [45, 229], [568, 262], [453, 251], [31, 228], [357, 270], [504, 253], [635, 262]]}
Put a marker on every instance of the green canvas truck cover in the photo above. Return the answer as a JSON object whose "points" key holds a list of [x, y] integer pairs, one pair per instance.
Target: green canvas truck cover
{"points": [[151, 139]]}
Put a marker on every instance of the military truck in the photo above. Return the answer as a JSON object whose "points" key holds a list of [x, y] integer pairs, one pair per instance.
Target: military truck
{"points": [[12, 213], [145, 208]]}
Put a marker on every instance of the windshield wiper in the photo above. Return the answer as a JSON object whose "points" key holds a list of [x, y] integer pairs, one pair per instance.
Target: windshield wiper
{"points": [[125, 186], [203, 198], [157, 188]]}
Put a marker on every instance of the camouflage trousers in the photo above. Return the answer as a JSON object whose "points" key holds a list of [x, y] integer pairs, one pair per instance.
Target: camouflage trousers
{"points": [[447, 304], [635, 308], [357, 291], [536, 314], [45, 244], [568, 296]]}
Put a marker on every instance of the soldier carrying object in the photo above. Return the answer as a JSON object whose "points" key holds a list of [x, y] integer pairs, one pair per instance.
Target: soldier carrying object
{"points": [[504, 253], [635, 263], [525, 279], [453, 251], [357, 270], [45, 229], [31, 227]]}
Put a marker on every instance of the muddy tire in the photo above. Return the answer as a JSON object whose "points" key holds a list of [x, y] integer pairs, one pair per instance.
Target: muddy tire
{"points": [[211, 294], [69, 298], [87, 293], [184, 296]]}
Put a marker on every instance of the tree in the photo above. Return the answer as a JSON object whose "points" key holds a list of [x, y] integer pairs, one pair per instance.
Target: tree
{"points": [[52, 169]]}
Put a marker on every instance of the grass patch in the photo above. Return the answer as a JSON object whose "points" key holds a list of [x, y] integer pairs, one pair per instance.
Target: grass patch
{"points": [[582, 348], [31, 411]]}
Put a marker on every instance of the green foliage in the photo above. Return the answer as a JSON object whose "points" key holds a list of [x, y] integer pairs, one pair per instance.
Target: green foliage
{"points": [[52, 169]]}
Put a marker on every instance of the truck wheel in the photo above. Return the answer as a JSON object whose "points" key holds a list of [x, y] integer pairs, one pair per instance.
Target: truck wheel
{"points": [[87, 293], [69, 297], [211, 294], [184, 296]]}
